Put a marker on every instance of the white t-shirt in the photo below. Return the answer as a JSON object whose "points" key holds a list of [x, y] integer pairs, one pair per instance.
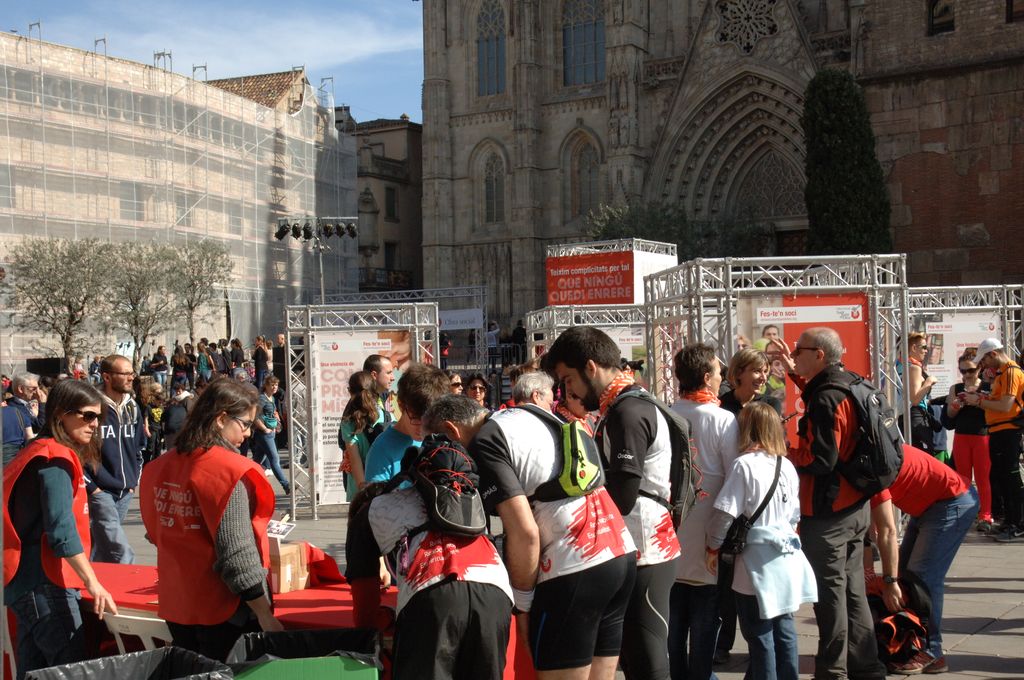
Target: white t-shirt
{"points": [[715, 444], [745, 487], [515, 453], [431, 557]]}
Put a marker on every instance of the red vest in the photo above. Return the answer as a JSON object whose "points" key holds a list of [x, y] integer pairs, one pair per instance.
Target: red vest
{"points": [[183, 497], [56, 569]]}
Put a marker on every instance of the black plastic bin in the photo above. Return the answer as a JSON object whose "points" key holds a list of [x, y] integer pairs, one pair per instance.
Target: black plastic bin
{"points": [[166, 663], [255, 650]]}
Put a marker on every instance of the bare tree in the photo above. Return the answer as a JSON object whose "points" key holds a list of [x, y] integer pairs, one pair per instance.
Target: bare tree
{"points": [[59, 287], [142, 302], [200, 267]]}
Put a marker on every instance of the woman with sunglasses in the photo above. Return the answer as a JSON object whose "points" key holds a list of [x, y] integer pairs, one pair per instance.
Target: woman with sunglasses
{"points": [[919, 387], [479, 389], [456, 381], [213, 581], [970, 440], [46, 531]]}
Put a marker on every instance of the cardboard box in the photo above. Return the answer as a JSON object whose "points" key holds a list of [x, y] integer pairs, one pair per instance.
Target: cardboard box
{"points": [[288, 569]]}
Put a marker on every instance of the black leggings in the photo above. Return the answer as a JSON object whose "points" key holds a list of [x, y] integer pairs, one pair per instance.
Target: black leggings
{"points": [[645, 630], [1005, 447]]}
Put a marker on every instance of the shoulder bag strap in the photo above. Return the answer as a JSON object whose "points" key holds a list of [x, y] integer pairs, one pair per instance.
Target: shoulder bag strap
{"points": [[771, 492]]}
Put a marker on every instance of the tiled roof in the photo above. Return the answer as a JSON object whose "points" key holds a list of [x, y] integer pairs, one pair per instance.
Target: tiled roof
{"points": [[267, 89]]}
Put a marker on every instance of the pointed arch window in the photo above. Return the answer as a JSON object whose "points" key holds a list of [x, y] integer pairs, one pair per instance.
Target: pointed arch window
{"points": [[582, 42], [940, 16], [586, 183], [490, 49], [494, 190]]}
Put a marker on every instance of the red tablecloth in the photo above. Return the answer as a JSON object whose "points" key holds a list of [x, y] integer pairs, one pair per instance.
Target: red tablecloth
{"points": [[134, 587]]}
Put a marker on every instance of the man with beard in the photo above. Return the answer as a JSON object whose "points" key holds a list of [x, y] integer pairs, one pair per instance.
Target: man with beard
{"points": [[635, 443], [112, 484]]}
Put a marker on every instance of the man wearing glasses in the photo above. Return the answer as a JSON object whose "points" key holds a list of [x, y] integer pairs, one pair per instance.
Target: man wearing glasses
{"points": [[834, 517], [111, 486]]}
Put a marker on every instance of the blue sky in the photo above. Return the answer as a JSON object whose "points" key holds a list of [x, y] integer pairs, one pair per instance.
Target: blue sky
{"points": [[372, 48]]}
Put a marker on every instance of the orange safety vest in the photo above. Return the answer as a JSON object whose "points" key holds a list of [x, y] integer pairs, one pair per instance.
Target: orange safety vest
{"points": [[182, 498], [56, 569]]}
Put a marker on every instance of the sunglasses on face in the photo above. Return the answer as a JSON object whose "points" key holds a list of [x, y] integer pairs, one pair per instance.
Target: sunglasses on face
{"points": [[965, 371], [87, 416], [477, 388], [242, 422], [797, 349]]}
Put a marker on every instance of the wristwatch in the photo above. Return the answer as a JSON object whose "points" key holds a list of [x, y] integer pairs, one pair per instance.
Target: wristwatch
{"points": [[888, 580]]}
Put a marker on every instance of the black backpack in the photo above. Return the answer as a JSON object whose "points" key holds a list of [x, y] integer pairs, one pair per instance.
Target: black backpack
{"points": [[878, 452], [445, 477], [684, 474]]}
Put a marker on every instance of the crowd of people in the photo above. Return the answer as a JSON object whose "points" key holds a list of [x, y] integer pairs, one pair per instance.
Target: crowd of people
{"points": [[617, 572]]}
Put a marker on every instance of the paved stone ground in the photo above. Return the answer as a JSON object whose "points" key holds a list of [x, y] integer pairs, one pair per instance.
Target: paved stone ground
{"points": [[984, 609]]}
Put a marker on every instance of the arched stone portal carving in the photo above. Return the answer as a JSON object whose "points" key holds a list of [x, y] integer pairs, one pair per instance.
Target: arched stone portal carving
{"points": [[723, 138]]}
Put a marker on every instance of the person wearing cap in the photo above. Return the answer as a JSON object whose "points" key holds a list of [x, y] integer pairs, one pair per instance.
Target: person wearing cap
{"points": [[1004, 413]]}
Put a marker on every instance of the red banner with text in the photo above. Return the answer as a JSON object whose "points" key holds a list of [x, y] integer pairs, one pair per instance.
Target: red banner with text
{"points": [[591, 279]]}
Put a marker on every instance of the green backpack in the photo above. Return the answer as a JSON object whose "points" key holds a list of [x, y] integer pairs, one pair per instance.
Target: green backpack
{"points": [[581, 472]]}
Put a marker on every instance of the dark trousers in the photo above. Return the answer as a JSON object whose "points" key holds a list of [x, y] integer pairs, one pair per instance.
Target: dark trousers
{"points": [[213, 642], [644, 653], [455, 630], [834, 545], [693, 629], [1005, 448]]}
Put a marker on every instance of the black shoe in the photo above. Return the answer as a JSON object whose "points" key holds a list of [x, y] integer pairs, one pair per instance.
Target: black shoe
{"points": [[721, 657]]}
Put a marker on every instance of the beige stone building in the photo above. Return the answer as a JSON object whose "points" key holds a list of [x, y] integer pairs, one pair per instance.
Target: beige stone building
{"points": [[537, 112], [100, 147], [390, 181]]}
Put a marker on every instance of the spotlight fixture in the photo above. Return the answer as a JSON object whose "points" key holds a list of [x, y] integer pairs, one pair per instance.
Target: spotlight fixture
{"points": [[307, 232], [350, 228], [282, 229], [296, 230], [328, 230]]}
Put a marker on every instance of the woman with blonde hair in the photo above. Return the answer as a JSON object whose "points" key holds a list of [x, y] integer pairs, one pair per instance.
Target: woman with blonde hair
{"points": [[772, 578], [46, 530], [918, 389], [748, 374]]}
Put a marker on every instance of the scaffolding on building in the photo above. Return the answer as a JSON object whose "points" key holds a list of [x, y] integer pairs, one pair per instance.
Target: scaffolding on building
{"points": [[1006, 301], [93, 146], [614, 246], [543, 326]]}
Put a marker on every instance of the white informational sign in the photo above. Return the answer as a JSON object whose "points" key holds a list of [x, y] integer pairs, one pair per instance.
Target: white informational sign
{"points": [[461, 319], [645, 264], [816, 314], [630, 339], [336, 356], [949, 337]]}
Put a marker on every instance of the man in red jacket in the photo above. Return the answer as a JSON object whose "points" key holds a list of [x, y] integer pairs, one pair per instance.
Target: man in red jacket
{"points": [[834, 519]]}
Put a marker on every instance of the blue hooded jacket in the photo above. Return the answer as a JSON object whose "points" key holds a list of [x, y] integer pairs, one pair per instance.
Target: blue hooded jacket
{"points": [[123, 439]]}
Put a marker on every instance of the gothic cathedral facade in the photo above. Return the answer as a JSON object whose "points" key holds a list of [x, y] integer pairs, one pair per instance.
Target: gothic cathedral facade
{"points": [[538, 111]]}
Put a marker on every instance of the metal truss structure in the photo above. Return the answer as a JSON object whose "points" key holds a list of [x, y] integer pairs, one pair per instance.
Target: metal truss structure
{"points": [[477, 296], [1007, 300], [696, 302], [303, 323], [626, 244], [546, 324]]}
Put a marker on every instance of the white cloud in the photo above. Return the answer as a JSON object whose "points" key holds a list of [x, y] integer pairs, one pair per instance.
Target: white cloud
{"points": [[246, 38]]}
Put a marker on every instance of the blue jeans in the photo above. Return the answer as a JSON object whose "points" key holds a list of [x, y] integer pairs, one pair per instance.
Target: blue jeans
{"points": [[928, 549], [109, 542], [50, 629], [693, 614], [772, 642], [265, 452], [160, 377]]}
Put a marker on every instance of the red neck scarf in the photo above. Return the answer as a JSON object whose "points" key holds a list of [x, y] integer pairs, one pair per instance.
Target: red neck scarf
{"points": [[619, 383], [702, 396], [915, 362]]}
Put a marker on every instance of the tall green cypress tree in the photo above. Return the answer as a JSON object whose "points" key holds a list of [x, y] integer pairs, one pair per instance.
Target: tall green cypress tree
{"points": [[847, 202]]}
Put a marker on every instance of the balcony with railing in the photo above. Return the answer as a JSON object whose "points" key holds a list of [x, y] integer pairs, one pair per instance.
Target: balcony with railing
{"points": [[376, 278]]}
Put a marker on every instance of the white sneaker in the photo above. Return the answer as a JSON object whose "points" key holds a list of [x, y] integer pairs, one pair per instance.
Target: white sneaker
{"points": [[268, 473]]}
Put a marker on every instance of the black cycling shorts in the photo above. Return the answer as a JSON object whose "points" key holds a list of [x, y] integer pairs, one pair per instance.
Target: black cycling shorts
{"points": [[579, 616]]}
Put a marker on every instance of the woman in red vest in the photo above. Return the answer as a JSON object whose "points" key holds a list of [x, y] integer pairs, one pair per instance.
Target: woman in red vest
{"points": [[206, 509], [46, 530]]}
